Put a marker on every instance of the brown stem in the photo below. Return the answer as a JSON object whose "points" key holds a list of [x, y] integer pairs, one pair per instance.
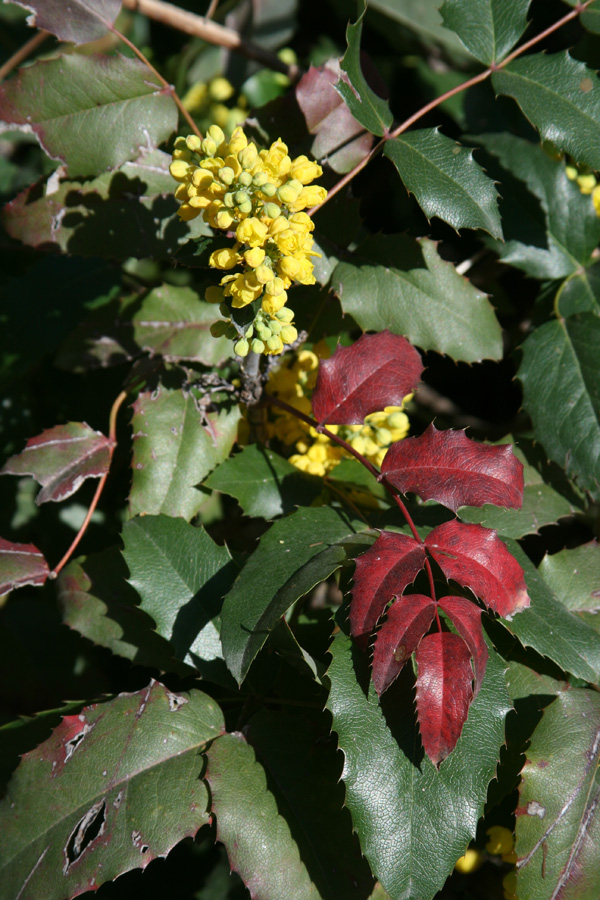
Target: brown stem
{"points": [[21, 54], [211, 9]]}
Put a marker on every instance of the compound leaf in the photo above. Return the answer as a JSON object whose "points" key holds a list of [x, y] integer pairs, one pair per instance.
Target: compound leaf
{"points": [[489, 29], [408, 620], [20, 565]]}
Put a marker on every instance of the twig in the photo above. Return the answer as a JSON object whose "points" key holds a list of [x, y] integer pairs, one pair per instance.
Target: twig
{"points": [[21, 54], [211, 9]]}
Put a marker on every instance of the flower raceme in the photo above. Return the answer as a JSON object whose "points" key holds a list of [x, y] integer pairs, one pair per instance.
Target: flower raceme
{"points": [[258, 196]]}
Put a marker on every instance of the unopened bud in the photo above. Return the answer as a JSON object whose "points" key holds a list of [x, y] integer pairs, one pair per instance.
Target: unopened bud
{"points": [[245, 178], [272, 210], [227, 175], [209, 147], [241, 348], [257, 346], [259, 179], [289, 334], [268, 189], [193, 142]]}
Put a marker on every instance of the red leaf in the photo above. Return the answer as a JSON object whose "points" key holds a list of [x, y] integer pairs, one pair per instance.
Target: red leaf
{"points": [[466, 618], [476, 558], [444, 692], [379, 370], [383, 572], [21, 564], [61, 458], [407, 621], [449, 467]]}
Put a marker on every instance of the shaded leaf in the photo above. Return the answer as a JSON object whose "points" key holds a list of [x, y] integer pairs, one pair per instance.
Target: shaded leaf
{"points": [[61, 458], [449, 467], [408, 620], [423, 17], [580, 292], [476, 558], [86, 20], [398, 283], [382, 573], [21, 564], [489, 29], [574, 577], [446, 180], [379, 370], [76, 812], [372, 111], [466, 618], [91, 112], [590, 17]]}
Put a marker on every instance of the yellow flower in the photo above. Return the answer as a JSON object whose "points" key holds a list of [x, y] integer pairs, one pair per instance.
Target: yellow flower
{"points": [[469, 862], [225, 258], [252, 231]]}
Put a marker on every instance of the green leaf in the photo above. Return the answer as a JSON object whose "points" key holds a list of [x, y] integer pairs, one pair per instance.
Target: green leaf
{"points": [[446, 180], [81, 809], [181, 576], [573, 576], [489, 29], [404, 285], [552, 630], [293, 556], [90, 112], [404, 810], [423, 17], [560, 374], [580, 293], [264, 483], [561, 97], [257, 838], [174, 450], [87, 20], [590, 17], [372, 111], [558, 829]]}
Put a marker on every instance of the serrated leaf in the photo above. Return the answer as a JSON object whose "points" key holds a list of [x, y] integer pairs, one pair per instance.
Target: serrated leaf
{"points": [[372, 111], [561, 97], [379, 370], [293, 556], [76, 812], [558, 828], [489, 29], [174, 450], [574, 577], [20, 565], [257, 839], [86, 20], [264, 483], [466, 618], [446, 180], [580, 292], [91, 112], [383, 572], [476, 558], [401, 284], [404, 810], [408, 620], [449, 467], [560, 374], [61, 458]]}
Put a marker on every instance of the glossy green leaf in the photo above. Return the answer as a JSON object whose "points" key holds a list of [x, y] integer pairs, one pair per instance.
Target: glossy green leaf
{"points": [[293, 556], [580, 293], [423, 17], [77, 810], [561, 97], [181, 576], [404, 285], [257, 838], [489, 29], [174, 450], [90, 112], [560, 374], [558, 826], [405, 810], [87, 20], [574, 576], [590, 17], [372, 111]]}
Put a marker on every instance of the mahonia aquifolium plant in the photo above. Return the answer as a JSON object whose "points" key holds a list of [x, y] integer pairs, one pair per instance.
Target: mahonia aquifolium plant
{"points": [[259, 196]]}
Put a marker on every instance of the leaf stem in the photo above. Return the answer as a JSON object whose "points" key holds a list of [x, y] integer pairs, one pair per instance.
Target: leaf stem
{"points": [[32, 44]]}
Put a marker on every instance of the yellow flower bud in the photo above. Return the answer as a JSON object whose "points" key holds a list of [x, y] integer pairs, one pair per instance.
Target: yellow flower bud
{"points": [[469, 862], [275, 286], [264, 274], [220, 89], [586, 183], [245, 179], [288, 193], [237, 141], [241, 348], [571, 173], [225, 258], [304, 170], [254, 257], [179, 170], [500, 840], [257, 346], [193, 142], [202, 179], [309, 196], [216, 134], [288, 267], [274, 344], [227, 175], [224, 220], [209, 147], [272, 305], [248, 156], [289, 334], [187, 212]]}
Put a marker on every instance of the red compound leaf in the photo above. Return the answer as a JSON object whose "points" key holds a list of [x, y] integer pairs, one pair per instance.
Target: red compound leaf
{"points": [[383, 572], [476, 558], [444, 692], [466, 618], [379, 370], [399, 636], [449, 467], [61, 458], [21, 564]]}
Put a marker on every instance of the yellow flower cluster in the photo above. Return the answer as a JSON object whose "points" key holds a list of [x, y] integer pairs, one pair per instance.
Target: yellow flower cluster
{"points": [[260, 196], [208, 102], [587, 184], [316, 453]]}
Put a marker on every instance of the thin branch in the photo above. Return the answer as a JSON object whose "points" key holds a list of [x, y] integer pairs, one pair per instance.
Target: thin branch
{"points": [[22, 54], [211, 9]]}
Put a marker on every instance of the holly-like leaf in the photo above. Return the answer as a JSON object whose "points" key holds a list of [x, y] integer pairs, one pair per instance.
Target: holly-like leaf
{"points": [[372, 111], [379, 370], [446, 180], [76, 813], [466, 618], [449, 467], [489, 29], [558, 827], [85, 20], [90, 112], [20, 565], [574, 577], [61, 458], [383, 572], [398, 283], [580, 292], [561, 97], [476, 558], [408, 620]]}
